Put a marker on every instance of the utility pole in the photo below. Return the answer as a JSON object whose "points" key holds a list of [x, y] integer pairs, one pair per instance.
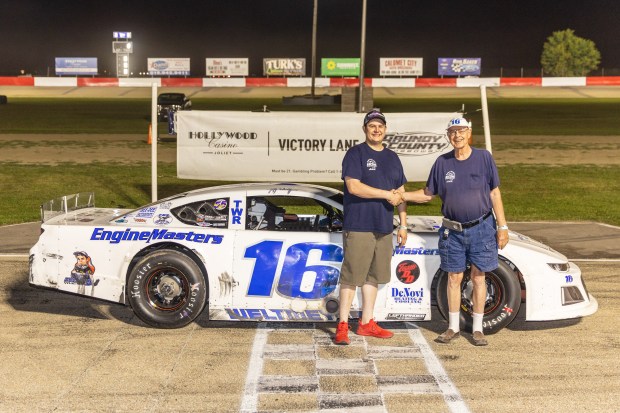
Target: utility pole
{"points": [[362, 55], [314, 19]]}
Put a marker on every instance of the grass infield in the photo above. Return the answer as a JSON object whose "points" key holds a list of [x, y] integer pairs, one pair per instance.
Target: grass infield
{"points": [[535, 192], [507, 116]]}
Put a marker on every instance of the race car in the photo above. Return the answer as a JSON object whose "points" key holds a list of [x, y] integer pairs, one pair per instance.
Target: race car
{"points": [[273, 252]]}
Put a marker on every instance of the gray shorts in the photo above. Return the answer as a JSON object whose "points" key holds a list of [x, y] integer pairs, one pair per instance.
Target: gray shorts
{"points": [[367, 258]]}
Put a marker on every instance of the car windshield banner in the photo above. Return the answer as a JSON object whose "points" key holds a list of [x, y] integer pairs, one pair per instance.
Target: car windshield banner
{"points": [[400, 66], [227, 66], [76, 66], [284, 67], [171, 66], [459, 66], [340, 67], [300, 146]]}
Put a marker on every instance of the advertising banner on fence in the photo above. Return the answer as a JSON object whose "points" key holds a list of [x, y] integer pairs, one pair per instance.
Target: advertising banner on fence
{"points": [[340, 67], [297, 146], [284, 66], [227, 66], [459, 66], [168, 66], [76, 66], [400, 66]]}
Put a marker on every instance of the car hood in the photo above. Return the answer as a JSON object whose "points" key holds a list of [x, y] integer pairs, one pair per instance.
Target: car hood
{"points": [[520, 241]]}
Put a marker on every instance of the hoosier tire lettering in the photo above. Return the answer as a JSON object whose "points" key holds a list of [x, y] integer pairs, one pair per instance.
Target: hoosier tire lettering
{"points": [[503, 298], [168, 289]]}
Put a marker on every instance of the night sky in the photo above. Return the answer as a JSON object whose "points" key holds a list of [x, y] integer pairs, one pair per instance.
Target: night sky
{"points": [[504, 33]]}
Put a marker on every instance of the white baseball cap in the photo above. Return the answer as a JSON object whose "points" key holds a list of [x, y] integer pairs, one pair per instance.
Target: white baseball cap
{"points": [[458, 122]]}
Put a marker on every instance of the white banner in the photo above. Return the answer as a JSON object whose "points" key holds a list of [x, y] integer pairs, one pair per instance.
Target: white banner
{"points": [[400, 66], [227, 66], [168, 66], [297, 146]]}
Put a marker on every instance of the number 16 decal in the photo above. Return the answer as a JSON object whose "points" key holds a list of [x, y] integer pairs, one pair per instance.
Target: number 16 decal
{"points": [[296, 274]]}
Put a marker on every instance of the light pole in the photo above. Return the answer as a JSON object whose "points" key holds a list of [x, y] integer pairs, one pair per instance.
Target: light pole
{"points": [[313, 70], [362, 55]]}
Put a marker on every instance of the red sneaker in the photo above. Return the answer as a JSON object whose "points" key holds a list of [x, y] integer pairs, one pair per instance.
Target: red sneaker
{"points": [[372, 329], [342, 333]]}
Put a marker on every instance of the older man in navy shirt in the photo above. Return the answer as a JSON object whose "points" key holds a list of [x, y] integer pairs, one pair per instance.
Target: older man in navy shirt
{"points": [[474, 226]]}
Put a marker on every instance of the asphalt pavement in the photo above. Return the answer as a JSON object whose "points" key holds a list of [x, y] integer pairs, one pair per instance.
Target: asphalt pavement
{"points": [[576, 240]]}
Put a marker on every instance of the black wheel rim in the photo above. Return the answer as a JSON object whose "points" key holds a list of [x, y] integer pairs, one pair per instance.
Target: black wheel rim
{"points": [[167, 289], [495, 295]]}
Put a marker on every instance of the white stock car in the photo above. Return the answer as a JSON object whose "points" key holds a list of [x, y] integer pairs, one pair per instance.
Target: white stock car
{"points": [[273, 252]]}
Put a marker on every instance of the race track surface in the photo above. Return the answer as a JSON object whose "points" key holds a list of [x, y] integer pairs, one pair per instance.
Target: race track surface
{"points": [[66, 353]]}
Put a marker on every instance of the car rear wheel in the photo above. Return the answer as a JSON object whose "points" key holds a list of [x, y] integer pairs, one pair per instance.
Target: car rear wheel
{"points": [[166, 289], [502, 302]]}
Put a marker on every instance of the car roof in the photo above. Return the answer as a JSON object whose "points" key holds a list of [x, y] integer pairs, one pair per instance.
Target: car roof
{"points": [[276, 188]]}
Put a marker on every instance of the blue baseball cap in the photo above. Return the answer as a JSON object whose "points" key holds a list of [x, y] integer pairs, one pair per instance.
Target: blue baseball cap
{"points": [[374, 114], [458, 123]]}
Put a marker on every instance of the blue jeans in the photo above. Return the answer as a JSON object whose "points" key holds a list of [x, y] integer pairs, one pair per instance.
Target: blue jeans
{"points": [[476, 245]]}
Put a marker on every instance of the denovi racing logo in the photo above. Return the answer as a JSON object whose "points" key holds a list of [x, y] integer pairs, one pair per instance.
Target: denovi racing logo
{"points": [[416, 143]]}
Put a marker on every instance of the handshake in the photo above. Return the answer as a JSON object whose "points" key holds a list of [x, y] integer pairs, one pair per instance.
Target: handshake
{"points": [[396, 197]]}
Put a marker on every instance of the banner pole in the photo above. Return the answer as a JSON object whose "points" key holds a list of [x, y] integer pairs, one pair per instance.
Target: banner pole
{"points": [[485, 118], [154, 142]]}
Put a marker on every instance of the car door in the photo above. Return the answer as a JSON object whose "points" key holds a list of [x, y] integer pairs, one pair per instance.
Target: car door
{"points": [[287, 260]]}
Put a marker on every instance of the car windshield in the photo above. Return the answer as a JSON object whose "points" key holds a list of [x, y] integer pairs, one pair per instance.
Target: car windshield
{"points": [[171, 99]]}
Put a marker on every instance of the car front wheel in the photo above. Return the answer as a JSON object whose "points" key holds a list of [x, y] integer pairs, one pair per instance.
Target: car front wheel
{"points": [[166, 289], [502, 302]]}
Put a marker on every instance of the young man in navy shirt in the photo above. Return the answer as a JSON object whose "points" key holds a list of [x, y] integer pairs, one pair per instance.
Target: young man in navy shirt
{"points": [[372, 174]]}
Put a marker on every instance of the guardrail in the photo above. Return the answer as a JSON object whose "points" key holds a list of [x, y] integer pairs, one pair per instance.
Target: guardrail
{"points": [[307, 82]]}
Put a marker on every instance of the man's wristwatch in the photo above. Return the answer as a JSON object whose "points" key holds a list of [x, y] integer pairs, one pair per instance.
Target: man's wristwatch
{"points": [[503, 227], [402, 227]]}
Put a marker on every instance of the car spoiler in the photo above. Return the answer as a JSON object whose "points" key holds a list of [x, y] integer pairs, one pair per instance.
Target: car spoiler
{"points": [[66, 204]]}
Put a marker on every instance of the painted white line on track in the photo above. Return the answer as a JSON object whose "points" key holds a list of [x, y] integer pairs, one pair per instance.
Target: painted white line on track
{"points": [[255, 369], [450, 393], [7, 255]]}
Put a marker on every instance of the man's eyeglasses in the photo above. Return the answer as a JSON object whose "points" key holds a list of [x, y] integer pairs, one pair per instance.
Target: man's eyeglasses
{"points": [[461, 132]]}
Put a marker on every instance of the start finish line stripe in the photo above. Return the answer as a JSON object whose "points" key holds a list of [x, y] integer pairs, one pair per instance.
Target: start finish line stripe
{"points": [[450, 393], [255, 369], [436, 381]]}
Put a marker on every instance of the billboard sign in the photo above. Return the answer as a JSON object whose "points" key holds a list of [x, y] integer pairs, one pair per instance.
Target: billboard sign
{"points": [[227, 66], [284, 66], [76, 66], [340, 67], [459, 66], [400, 66], [297, 146], [169, 66]]}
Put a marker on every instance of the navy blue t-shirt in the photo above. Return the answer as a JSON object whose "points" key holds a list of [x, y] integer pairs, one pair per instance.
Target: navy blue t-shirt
{"points": [[464, 186], [379, 169]]}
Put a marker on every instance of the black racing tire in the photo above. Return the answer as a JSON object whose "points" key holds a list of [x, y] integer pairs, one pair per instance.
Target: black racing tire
{"points": [[503, 298], [167, 289]]}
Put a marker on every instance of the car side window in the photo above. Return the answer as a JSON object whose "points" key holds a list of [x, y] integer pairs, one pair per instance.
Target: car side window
{"points": [[290, 213], [207, 213]]}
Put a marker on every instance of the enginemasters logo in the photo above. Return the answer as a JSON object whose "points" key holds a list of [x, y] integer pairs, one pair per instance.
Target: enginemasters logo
{"points": [[416, 143]]}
